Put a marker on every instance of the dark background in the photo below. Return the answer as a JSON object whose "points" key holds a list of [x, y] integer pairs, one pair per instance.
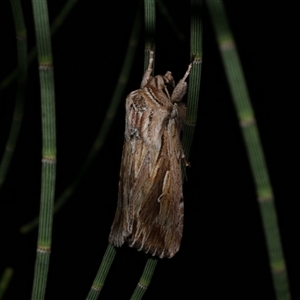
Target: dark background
{"points": [[223, 252]]}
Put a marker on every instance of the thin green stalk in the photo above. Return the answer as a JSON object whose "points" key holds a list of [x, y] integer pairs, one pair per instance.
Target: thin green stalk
{"points": [[32, 54], [106, 124], [195, 76], [43, 37], [256, 158], [149, 18], [144, 280], [5, 280], [99, 280], [21, 37]]}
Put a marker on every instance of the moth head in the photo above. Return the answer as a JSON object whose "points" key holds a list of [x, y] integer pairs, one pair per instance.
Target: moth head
{"points": [[164, 83]]}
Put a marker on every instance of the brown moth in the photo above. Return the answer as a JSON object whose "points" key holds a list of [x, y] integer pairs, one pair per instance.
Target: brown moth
{"points": [[149, 213]]}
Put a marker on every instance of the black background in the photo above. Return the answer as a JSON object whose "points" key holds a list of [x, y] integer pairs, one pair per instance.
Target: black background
{"points": [[223, 251]]}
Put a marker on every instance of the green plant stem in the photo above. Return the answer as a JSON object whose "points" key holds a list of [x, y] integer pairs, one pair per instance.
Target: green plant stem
{"points": [[42, 30], [106, 124], [21, 37], [195, 76], [144, 280], [256, 158], [99, 280], [149, 19]]}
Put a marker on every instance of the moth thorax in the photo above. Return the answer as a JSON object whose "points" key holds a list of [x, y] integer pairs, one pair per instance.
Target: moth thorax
{"points": [[164, 83], [158, 82]]}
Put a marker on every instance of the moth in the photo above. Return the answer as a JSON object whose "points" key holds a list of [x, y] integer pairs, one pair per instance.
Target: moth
{"points": [[150, 211]]}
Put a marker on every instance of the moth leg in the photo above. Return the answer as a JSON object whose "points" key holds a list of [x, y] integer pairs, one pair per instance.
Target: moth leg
{"points": [[188, 71], [180, 88], [148, 72]]}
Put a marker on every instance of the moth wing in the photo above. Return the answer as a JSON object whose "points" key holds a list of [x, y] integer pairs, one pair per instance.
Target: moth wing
{"points": [[135, 165], [158, 203], [149, 212], [121, 227]]}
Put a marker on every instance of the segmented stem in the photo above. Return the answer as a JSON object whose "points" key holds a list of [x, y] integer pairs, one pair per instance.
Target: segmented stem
{"points": [[42, 30], [255, 153]]}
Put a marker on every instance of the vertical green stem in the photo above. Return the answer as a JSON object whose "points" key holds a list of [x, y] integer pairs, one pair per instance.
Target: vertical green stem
{"points": [[42, 30], [195, 76], [256, 158], [149, 16], [99, 280], [145, 279]]}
